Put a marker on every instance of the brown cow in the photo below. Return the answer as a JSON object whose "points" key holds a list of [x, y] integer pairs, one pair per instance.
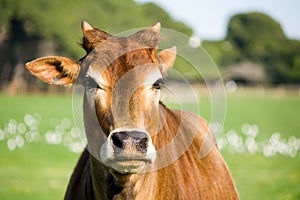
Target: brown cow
{"points": [[137, 147]]}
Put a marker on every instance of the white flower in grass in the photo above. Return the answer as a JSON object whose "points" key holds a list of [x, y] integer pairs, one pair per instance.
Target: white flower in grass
{"points": [[235, 142], [19, 141], [250, 130], [275, 138], [67, 139], [215, 127], [294, 142], [251, 146], [269, 150], [12, 126], [11, 144], [29, 120], [76, 147], [21, 128], [222, 143], [231, 86]]}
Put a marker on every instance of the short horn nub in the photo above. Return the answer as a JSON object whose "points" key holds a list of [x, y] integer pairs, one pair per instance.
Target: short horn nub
{"points": [[86, 26], [156, 27]]}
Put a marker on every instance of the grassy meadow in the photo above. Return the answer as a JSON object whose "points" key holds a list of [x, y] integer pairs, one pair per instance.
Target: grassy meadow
{"points": [[41, 171]]}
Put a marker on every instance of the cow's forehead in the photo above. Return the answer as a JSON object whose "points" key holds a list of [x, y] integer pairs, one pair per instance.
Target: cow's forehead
{"points": [[115, 56], [110, 76]]}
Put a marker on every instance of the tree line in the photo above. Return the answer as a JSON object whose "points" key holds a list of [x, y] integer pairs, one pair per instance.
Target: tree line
{"points": [[34, 28], [257, 38]]}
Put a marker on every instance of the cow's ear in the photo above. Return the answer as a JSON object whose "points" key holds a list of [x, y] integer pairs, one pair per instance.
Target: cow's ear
{"points": [[168, 56], [54, 70]]}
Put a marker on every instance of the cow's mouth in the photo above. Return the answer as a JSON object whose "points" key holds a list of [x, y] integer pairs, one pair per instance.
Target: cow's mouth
{"points": [[129, 166]]}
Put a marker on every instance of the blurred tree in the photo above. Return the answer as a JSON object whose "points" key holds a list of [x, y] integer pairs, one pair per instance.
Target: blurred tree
{"points": [[33, 28], [258, 38]]}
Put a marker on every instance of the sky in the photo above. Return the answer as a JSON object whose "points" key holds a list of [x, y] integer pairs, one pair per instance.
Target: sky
{"points": [[209, 19]]}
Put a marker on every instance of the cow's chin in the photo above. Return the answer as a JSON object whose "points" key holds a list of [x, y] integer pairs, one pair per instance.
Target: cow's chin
{"points": [[132, 166]]}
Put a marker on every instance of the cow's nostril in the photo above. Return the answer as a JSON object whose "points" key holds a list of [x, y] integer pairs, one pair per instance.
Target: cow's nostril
{"points": [[142, 145], [117, 140], [131, 139]]}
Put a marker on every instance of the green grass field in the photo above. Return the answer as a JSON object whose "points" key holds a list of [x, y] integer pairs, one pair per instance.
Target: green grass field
{"points": [[41, 171]]}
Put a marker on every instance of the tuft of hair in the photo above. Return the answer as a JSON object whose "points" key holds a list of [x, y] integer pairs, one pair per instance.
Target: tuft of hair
{"points": [[86, 45]]}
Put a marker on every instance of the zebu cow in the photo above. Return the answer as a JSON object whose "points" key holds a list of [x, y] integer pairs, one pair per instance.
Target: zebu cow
{"points": [[131, 153]]}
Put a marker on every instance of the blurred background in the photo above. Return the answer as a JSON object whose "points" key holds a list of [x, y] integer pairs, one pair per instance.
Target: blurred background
{"points": [[255, 44]]}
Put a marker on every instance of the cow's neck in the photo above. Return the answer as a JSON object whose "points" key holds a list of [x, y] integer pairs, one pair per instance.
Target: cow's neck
{"points": [[109, 184], [120, 186]]}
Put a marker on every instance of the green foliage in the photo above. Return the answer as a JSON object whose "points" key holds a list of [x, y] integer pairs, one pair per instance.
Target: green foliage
{"points": [[258, 38], [59, 21], [214, 48], [254, 34], [252, 37]]}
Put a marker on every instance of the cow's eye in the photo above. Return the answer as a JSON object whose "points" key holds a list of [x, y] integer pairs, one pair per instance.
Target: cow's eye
{"points": [[90, 83], [99, 87], [157, 84]]}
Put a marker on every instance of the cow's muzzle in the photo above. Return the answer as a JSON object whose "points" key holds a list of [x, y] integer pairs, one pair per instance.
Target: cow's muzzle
{"points": [[128, 150]]}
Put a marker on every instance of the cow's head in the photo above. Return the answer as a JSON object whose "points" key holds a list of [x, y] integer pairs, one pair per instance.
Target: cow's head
{"points": [[122, 78]]}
